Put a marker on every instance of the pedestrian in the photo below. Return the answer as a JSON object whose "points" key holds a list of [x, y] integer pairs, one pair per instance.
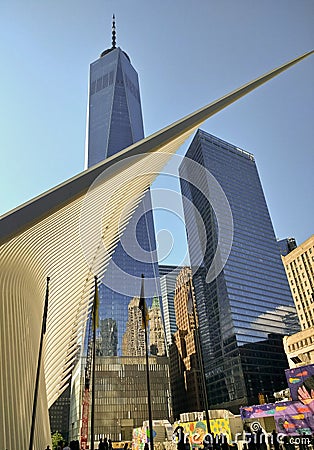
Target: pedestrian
{"points": [[224, 442], [274, 440], [125, 446], [101, 445], [250, 439], [216, 442], [288, 442], [179, 434], [66, 446], [47, 448], [109, 444]]}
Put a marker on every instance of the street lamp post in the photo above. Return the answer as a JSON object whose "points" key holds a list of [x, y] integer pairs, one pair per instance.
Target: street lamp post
{"points": [[200, 362]]}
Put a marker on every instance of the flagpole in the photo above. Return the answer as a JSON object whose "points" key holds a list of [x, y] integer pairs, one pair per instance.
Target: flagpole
{"points": [[92, 418], [200, 362], [43, 331], [144, 319]]}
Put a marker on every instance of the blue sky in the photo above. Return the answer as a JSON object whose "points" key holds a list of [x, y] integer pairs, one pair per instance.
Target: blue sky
{"points": [[187, 54]]}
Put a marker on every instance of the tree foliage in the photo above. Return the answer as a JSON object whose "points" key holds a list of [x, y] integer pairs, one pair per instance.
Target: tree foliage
{"points": [[56, 438]]}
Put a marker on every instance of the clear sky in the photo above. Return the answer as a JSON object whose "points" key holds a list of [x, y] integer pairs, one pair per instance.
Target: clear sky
{"points": [[187, 53]]}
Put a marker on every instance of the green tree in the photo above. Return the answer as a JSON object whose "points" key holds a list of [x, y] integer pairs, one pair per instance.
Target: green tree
{"points": [[56, 438]]}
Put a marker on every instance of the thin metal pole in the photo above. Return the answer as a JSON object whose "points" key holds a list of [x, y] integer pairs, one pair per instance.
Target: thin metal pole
{"points": [[43, 331], [150, 421], [201, 366], [143, 308], [206, 406], [92, 418]]}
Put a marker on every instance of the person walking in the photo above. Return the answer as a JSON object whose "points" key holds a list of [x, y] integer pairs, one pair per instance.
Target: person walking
{"points": [[101, 445], [275, 440]]}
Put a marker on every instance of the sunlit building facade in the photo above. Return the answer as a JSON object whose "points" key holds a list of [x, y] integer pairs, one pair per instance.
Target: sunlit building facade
{"points": [[157, 344], [133, 342], [241, 311], [185, 370], [299, 266]]}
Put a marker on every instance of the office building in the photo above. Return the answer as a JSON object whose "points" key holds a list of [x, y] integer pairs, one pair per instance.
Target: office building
{"points": [[242, 303], [186, 318], [299, 348], [133, 343], [108, 338], [114, 122], [157, 342], [168, 277], [299, 266], [185, 370], [286, 245], [59, 414], [121, 395]]}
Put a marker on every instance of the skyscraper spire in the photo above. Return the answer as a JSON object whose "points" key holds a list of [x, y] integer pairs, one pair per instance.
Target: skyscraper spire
{"points": [[113, 31]]}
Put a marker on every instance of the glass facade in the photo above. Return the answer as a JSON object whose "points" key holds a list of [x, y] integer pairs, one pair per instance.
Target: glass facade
{"points": [[242, 311], [59, 414], [115, 122], [168, 277], [114, 109], [120, 395], [286, 245]]}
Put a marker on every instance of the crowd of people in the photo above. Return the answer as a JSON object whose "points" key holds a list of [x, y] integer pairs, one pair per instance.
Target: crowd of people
{"points": [[105, 444], [258, 440], [264, 441]]}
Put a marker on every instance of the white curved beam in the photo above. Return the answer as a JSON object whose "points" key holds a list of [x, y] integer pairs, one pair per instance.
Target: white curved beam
{"points": [[44, 237]]}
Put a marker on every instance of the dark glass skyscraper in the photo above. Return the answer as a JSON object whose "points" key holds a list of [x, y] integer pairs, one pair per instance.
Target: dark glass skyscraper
{"points": [[114, 110], [114, 122], [242, 311]]}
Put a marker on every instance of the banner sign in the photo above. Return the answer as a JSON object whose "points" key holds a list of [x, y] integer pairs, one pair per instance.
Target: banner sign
{"points": [[196, 431], [291, 418], [301, 383]]}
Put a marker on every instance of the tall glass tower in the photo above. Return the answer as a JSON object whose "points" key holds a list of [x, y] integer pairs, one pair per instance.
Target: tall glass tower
{"points": [[243, 313], [114, 122]]}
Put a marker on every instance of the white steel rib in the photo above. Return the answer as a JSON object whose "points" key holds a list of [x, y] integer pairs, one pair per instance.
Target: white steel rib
{"points": [[69, 233]]}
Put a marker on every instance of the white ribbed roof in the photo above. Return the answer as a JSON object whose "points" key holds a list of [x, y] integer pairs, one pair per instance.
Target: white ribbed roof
{"points": [[69, 234]]}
